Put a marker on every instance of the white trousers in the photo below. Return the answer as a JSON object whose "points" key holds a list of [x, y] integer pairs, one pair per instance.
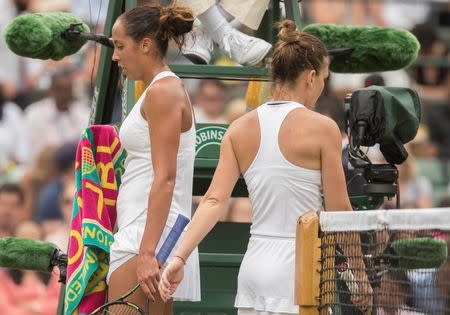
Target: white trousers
{"points": [[248, 12]]}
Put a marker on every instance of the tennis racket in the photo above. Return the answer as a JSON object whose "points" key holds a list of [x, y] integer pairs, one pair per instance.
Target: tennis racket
{"points": [[122, 307]]}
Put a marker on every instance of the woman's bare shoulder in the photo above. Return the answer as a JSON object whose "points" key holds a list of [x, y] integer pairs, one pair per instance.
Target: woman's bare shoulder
{"points": [[317, 121], [168, 87], [243, 123]]}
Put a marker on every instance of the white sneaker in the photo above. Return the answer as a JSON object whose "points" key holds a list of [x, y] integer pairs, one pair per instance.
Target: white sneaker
{"points": [[245, 50], [198, 46]]}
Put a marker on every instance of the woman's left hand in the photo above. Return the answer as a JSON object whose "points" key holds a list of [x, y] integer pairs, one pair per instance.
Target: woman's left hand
{"points": [[171, 278], [148, 274]]}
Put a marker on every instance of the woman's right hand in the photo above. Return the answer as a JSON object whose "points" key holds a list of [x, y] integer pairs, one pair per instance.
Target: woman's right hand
{"points": [[171, 278]]}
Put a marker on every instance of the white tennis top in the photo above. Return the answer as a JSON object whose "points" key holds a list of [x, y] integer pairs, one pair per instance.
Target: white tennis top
{"points": [[280, 192], [138, 176]]}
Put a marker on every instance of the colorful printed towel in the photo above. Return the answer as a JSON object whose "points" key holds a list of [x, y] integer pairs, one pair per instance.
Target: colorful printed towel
{"points": [[98, 169]]}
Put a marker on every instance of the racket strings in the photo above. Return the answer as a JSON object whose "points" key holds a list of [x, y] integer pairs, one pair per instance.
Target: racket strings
{"points": [[119, 309]]}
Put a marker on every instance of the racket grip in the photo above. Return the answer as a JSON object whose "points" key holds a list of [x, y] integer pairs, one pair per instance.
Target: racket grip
{"points": [[171, 239]]}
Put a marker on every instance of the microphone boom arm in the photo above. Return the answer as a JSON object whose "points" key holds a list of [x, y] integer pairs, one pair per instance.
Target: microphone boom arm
{"points": [[72, 34]]}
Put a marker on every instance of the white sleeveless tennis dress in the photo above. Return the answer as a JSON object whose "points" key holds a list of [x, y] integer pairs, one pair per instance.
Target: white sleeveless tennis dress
{"points": [[135, 188], [280, 192]]}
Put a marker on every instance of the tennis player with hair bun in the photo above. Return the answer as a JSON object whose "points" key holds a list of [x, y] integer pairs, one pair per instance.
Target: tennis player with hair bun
{"points": [[159, 137], [287, 154]]}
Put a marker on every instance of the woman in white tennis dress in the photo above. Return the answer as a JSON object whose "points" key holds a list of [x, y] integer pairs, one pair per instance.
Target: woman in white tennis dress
{"points": [[288, 154], [159, 136]]}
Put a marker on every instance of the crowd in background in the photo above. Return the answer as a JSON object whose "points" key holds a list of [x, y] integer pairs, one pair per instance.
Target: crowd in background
{"points": [[44, 106]]}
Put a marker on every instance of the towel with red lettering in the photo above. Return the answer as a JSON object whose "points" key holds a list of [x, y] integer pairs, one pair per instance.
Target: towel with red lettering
{"points": [[98, 169]]}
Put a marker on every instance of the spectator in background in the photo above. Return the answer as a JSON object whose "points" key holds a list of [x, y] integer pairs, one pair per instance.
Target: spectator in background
{"points": [[29, 292], [210, 101], [12, 73], [60, 234], [13, 140], [421, 146], [48, 210], [344, 12], [235, 109], [49, 5], [444, 15], [437, 118], [415, 190], [57, 118], [40, 173], [404, 14], [11, 208], [344, 83], [431, 82]]}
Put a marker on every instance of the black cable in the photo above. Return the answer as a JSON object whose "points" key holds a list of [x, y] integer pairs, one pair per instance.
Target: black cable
{"points": [[397, 203]]}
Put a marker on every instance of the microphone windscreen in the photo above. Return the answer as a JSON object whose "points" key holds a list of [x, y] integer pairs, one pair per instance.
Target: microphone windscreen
{"points": [[420, 253], [20, 253], [38, 35], [374, 49]]}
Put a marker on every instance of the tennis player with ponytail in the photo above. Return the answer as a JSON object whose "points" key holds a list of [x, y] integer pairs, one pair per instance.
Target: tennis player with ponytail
{"points": [[159, 136], [288, 154]]}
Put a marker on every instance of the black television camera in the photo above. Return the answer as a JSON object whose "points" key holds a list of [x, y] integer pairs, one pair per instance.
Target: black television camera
{"points": [[378, 115]]}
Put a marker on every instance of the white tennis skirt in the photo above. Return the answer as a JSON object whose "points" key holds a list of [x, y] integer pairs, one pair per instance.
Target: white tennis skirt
{"points": [[126, 245]]}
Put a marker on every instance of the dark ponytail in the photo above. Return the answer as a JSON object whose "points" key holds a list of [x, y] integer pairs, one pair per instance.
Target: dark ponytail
{"points": [[162, 23]]}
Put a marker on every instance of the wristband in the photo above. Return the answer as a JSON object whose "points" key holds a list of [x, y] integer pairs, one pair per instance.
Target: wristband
{"points": [[181, 258]]}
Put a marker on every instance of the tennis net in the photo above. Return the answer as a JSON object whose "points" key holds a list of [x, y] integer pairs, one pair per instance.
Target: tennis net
{"points": [[374, 262]]}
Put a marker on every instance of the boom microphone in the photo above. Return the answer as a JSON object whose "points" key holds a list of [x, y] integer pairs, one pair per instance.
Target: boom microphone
{"points": [[46, 35], [418, 253], [19, 253], [362, 49]]}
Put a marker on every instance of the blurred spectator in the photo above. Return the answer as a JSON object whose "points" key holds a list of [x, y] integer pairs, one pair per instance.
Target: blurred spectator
{"points": [[29, 292], [334, 11], [48, 210], [235, 109], [421, 146], [57, 118], [374, 79], [49, 5], [93, 12], [398, 14], [39, 174], [415, 190], [11, 73], [13, 140], [404, 14], [444, 15], [437, 118], [59, 235], [11, 208], [392, 294], [210, 100], [344, 83], [431, 81]]}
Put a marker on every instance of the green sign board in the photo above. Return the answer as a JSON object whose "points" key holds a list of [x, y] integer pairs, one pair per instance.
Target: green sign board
{"points": [[208, 139]]}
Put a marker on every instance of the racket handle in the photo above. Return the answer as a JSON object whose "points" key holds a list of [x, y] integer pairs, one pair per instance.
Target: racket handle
{"points": [[171, 239]]}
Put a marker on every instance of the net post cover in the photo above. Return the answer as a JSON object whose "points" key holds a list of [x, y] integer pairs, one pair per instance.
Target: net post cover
{"points": [[307, 263]]}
